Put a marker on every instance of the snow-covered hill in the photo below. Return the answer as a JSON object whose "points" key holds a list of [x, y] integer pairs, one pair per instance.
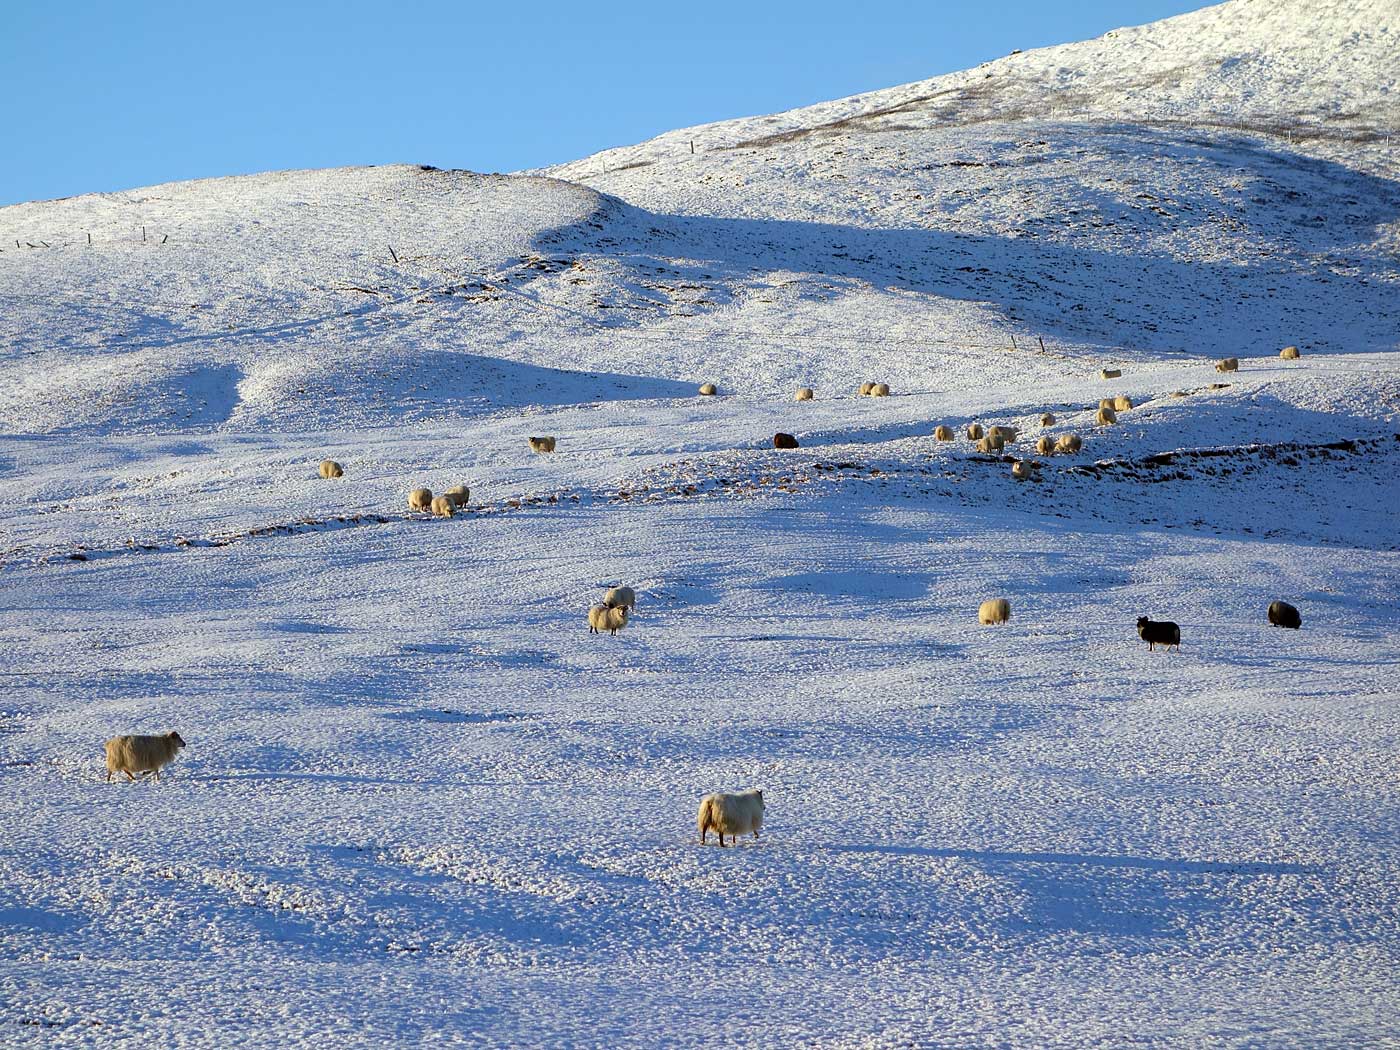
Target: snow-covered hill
{"points": [[421, 803]]}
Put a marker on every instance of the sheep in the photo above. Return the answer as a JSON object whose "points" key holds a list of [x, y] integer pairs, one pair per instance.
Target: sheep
{"points": [[420, 499], [617, 597], [1047, 419], [458, 494], [942, 433], [1021, 469], [1158, 632], [1106, 402], [1046, 445], [140, 754], [1106, 416], [1228, 364], [1122, 403], [602, 618], [991, 444], [709, 389], [1289, 353], [974, 432], [1007, 434], [1069, 443], [781, 440], [331, 469], [1110, 373], [1281, 614], [804, 393], [543, 444], [880, 390], [735, 814], [866, 387], [994, 610], [442, 507]]}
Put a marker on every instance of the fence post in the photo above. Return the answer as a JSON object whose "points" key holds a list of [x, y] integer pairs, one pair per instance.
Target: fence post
{"points": [[393, 255], [1013, 342]]}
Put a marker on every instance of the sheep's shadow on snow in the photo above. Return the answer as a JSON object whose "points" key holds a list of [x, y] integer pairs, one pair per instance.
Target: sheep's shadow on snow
{"points": [[1324, 207]]}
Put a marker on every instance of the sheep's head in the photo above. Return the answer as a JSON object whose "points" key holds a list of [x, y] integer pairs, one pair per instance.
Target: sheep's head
{"points": [[1143, 621], [174, 738]]}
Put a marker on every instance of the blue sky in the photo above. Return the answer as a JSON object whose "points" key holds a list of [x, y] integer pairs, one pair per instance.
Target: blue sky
{"points": [[107, 95]]}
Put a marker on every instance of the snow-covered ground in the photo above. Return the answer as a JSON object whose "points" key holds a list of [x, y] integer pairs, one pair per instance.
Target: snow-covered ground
{"points": [[420, 803]]}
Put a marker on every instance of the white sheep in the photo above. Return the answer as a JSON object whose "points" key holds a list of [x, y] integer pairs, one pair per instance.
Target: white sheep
{"points": [[1046, 445], [865, 388], [1069, 443], [880, 390], [1289, 353], [1228, 364], [1106, 416], [1021, 469], [329, 468], [442, 507], [992, 443], [942, 433], [617, 597], [420, 499], [994, 610], [1047, 419], [1122, 403], [1007, 434], [975, 432], [602, 618], [804, 393], [1110, 373], [458, 494], [732, 815], [1105, 402], [140, 754], [543, 444], [709, 389]]}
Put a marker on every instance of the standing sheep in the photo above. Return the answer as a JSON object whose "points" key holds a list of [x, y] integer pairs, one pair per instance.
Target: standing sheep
{"points": [[1289, 353], [731, 815], [880, 390], [1106, 416], [601, 618], [1046, 445], [1281, 614], [458, 494], [420, 499], [709, 389], [942, 433], [991, 444], [1069, 443], [1122, 403], [543, 444], [865, 388], [331, 469], [140, 754], [1228, 364], [1047, 419], [804, 393], [1007, 434], [781, 440], [974, 432], [619, 597], [1158, 632], [442, 507], [1110, 373], [994, 610]]}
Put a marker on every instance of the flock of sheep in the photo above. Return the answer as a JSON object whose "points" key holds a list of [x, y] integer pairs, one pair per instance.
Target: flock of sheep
{"points": [[740, 813]]}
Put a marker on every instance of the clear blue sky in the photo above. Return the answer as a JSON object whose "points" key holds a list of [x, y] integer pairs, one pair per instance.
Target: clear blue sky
{"points": [[111, 95]]}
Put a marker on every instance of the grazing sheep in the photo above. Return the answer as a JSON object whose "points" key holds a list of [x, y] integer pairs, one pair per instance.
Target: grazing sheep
{"points": [[708, 389], [1281, 614], [1021, 469], [866, 387], [617, 597], [734, 815], [443, 507], [140, 754], [1106, 402], [602, 618], [458, 494], [543, 444], [1122, 403], [781, 440], [1228, 364], [1069, 443], [880, 390], [1047, 419], [1007, 434], [991, 444], [994, 610], [331, 469], [804, 393], [1046, 445], [974, 431], [420, 499], [1289, 353], [1106, 416], [1158, 632], [1110, 373], [942, 433]]}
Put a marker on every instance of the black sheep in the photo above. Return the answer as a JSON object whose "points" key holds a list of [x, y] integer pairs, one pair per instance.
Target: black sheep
{"points": [[1281, 614], [1159, 632]]}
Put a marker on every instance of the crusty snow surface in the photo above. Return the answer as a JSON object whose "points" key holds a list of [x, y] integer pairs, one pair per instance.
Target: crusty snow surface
{"points": [[421, 804]]}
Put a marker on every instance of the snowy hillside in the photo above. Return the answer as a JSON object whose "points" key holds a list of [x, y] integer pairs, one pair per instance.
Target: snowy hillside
{"points": [[421, 803]]}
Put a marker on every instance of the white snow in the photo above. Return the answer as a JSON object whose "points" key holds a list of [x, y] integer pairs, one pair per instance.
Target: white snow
{"points": [[421, 804]]}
